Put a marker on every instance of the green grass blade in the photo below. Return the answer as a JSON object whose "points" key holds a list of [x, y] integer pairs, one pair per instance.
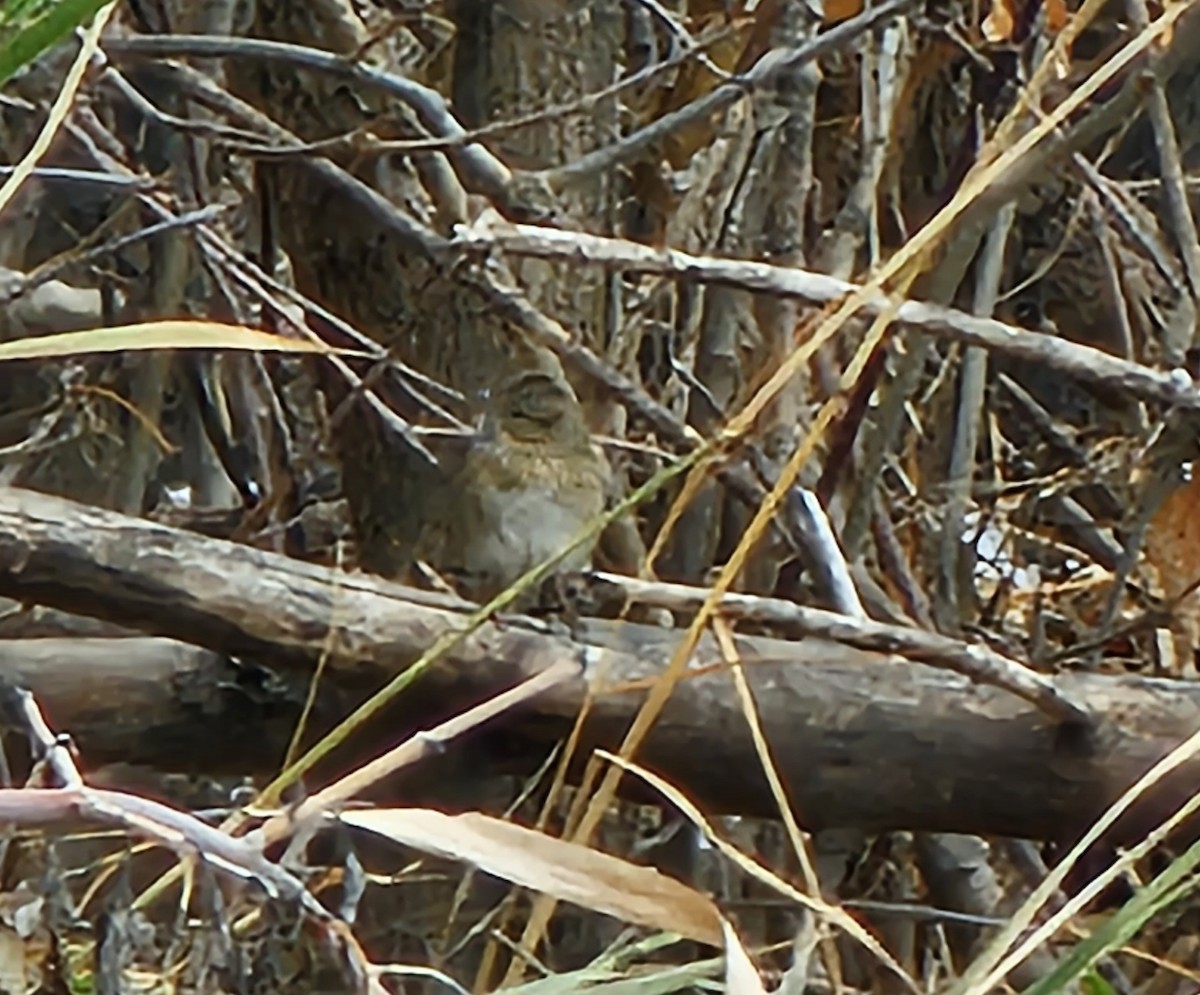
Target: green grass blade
{"points": [[1166, 889], [26, 34]]}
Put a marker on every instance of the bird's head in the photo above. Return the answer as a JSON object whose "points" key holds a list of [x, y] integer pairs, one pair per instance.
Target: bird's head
{"points": [[535, 406]]}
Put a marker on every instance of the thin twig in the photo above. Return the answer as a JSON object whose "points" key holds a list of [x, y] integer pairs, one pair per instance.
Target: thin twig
{"points": [[1179, 208], [361, 140], [60, 108], [329, 799], [975, 661], [1083, 362], [250, 274], [830, 563], [49, 270], [56, 174], [967, 426], [480, 170], [177, 830], [771, 65]]}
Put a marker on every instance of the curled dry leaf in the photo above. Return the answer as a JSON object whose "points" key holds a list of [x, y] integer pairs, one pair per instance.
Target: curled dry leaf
{"points": [[836, 11], [998, 25], [566, 871], [1172, 552]]}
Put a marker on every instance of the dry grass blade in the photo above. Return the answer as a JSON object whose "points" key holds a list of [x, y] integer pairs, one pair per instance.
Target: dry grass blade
{"points": [[570, 872], [741, 978], [357, 781], [172, 334], [832, 913], [1000, 956], [800, 843], [332, 796]]}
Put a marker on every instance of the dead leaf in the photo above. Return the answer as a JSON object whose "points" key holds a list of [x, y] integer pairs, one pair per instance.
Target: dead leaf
{"points": [[998, 25], [1057, 15], [1172, 551], [746, 41], [839, 10], [25, 946], [567, 871]]}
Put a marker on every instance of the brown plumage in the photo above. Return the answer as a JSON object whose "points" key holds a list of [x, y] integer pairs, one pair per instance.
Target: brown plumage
{"points": [[528, 484]]}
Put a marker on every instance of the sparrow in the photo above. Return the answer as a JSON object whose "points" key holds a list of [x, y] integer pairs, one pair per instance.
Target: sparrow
{"points": [[529, 483]]}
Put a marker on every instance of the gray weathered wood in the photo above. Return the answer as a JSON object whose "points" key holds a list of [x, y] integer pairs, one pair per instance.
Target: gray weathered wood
{"points": [[861, 739]]}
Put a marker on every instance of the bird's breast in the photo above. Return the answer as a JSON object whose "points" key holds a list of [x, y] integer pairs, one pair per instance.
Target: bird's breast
{"points": [[534, 507]]}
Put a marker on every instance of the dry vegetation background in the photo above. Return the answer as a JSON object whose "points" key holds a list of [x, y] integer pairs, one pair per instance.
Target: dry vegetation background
{"points": [[681, 202]]}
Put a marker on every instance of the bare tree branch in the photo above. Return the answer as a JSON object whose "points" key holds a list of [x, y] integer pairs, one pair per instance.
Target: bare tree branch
{"points": [[1079, 361]]}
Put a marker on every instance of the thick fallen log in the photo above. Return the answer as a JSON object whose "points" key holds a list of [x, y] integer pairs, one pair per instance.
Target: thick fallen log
{"points": [[861, 739], [155, 702]]}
